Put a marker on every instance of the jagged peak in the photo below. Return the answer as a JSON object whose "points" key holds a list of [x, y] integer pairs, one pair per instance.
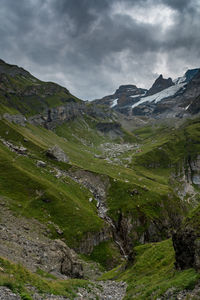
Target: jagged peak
{"points": [[160, 84]]}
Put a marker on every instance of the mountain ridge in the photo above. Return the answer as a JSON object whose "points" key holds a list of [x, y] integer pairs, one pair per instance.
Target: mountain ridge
{"points": [[162, 90]]}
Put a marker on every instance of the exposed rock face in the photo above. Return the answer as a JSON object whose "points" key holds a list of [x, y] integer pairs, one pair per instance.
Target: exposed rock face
{"points": [[153, 231], [17, 119], [50, 118], [112, 129], [159, 85], [191, 170], [195, 170], [98, 185], [66, 259], [14, 148], [57, 153], [184, 246], [186, 242], [93, 239]]}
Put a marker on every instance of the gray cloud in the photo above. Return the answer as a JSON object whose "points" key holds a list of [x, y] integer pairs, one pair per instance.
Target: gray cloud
{"points": [[93, 46]]}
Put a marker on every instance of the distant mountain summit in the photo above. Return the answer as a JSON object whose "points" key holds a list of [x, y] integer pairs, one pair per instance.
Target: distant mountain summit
{"points": [[166, 98], [159, 85], [123, 98]]}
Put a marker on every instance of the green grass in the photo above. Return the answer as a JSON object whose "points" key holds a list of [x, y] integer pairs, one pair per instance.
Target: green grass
{"points": [[29, 96], [153, 273], [67, 202], [38, 194], [155, 199], [106, 254]]}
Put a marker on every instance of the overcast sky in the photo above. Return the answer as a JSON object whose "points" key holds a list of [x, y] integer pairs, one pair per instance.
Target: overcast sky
{"points": [[93, 46]]}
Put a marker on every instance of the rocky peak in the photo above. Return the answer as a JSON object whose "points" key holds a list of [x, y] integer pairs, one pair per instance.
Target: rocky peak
{"points": [[159, 85], [12, 70], [128, 90], [191, 73]]}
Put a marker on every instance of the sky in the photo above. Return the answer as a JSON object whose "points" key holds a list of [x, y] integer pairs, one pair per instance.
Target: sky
{"points": [[93, 46]]}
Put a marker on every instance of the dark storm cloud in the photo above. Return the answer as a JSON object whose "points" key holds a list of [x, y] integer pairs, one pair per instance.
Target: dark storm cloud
{"points": [[92, 46]]}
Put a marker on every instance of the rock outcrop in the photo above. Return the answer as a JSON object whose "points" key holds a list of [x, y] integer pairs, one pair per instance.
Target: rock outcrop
{"points": [[14, 148], [186, 242], [57, 153], [113, 130], [184, 246], [17, 119]]}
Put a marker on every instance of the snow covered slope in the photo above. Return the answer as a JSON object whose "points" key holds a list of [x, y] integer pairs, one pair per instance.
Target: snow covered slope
{"points": [[169, 92]]}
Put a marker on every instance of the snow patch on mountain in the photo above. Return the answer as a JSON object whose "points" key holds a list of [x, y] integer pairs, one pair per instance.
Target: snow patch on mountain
{"points": [[114, 103], [140, 95], [169, 92]]}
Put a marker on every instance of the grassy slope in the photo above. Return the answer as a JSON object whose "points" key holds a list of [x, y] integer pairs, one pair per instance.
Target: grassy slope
{"points": [[16, 277], [29, 95], [153, 273], [152, 185], [78, 214], [67, 205]]}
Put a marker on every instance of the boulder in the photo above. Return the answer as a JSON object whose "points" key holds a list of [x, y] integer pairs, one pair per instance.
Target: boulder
{"points": [[64, 260], [57, 153], [41, 163]]}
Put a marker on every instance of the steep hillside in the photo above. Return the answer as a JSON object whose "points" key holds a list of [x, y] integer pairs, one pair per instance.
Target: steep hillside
{"points": [[79, 191]]}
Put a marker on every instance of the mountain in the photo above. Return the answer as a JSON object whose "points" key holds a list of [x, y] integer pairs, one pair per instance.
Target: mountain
{"points": [[159, 85], [123, 98], [85, 189], [165, 99]]}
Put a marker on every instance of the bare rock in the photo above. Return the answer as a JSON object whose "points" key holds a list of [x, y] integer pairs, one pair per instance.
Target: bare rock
{"points": [[7, 294], [17, 119], [41, 163], [57, 153]]}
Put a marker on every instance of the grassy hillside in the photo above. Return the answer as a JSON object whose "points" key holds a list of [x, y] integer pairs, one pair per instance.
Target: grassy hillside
{"points": [[22, 92], [153, 274], [154, 198]]}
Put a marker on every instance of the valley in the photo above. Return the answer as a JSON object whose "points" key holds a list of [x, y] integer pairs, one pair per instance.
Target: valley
{"points": [[98, 202]]}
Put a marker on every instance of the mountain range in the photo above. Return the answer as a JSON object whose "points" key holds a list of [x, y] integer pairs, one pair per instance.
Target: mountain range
{"points": [[166, 98], [100, 199]]}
